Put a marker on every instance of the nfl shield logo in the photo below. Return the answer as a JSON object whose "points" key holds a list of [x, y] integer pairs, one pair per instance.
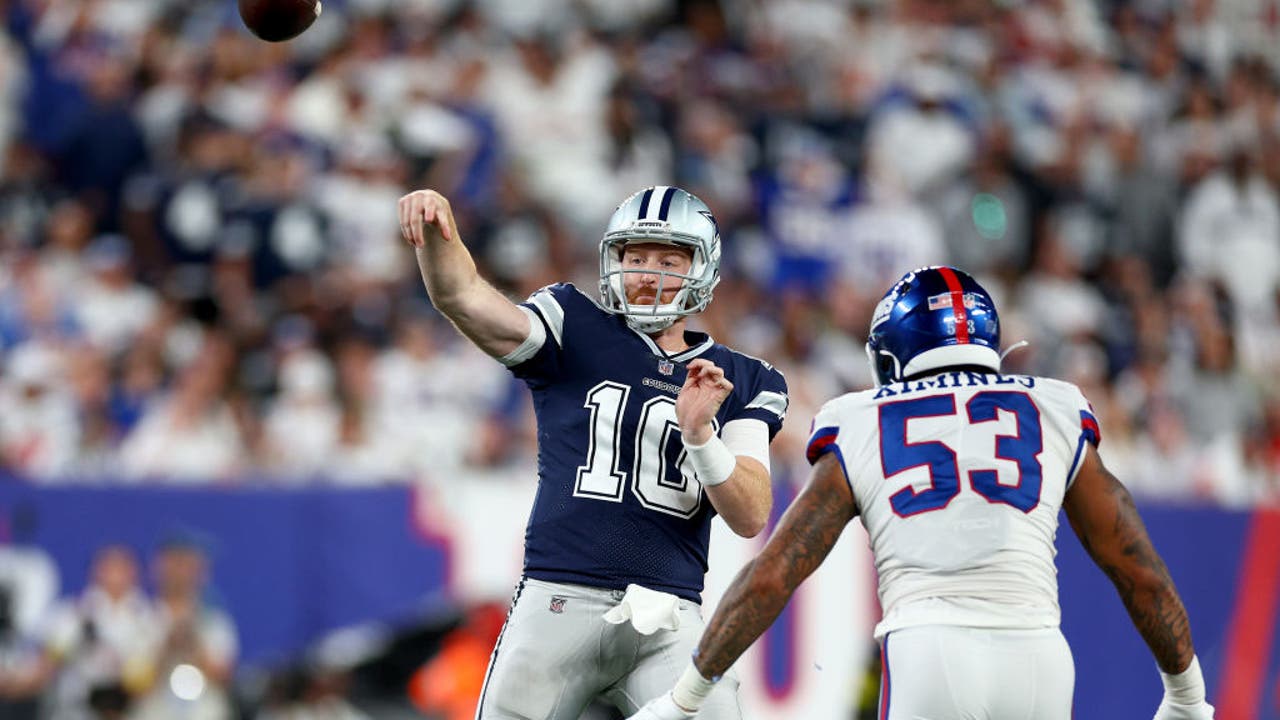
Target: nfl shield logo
{"points": [[557, 605], [944, 301], [666, 367]]}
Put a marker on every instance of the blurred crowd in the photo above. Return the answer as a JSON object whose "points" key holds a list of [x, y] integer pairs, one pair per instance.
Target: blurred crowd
{"points": [[159, 645], [201, 276], [114, 651]]}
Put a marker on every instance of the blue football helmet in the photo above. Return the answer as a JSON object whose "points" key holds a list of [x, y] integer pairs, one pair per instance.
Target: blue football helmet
{"points": [[934, 317]]}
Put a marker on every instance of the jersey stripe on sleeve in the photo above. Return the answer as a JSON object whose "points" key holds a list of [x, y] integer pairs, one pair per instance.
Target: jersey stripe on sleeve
{"points": [[1089, 426], [821, 442], [551, 312], [774, 402], [1090, 433]]}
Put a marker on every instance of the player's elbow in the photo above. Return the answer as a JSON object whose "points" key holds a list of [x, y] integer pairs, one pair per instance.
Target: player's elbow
{"points": [[449, 301], [457, 298], [750, 521], [750, 527]]}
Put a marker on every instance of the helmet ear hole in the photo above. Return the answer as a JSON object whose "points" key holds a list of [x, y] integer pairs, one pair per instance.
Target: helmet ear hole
{"points": [[884, 366], [887, 367]]}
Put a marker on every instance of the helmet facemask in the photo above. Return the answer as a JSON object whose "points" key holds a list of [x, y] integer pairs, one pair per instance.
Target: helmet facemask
{"points": [[678, 219]]}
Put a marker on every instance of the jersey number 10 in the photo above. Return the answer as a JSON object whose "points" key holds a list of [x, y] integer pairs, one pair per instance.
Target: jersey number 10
{"points": [[897, 455], [601, 478]]}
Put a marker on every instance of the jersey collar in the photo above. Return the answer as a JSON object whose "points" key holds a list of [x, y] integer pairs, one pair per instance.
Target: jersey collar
{"points": [[698, 342]]}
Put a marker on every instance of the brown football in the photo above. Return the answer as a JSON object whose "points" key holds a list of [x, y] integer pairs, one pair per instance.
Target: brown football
{"points": [[278, 20]]}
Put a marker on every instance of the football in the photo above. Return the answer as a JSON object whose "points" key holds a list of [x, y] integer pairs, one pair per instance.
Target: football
{"points": [[278, 20]]}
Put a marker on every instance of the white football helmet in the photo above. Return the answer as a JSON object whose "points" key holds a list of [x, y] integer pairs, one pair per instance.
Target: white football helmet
{"points": [[661, 214]]}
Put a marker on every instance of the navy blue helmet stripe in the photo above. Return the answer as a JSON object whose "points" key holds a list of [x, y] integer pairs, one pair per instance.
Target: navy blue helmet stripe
{"points": [[666, 203], [644, 203]]}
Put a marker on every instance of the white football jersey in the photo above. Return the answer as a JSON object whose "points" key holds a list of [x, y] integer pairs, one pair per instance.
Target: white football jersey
{"points": [[958, 478]]}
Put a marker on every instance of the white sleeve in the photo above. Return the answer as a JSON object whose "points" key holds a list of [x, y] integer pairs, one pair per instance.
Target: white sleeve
{"points": [[532, 343], [749, 437]]}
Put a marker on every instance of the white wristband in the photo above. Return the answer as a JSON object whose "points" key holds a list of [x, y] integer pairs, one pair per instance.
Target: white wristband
{"points": [[1187, 687], [691, 689], [713, 462]]}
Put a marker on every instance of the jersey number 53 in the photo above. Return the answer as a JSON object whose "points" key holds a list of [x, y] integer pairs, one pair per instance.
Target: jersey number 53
{"points": [[898, 455]]}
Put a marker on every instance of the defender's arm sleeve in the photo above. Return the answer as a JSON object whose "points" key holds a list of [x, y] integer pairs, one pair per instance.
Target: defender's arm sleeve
{"points": [[824, 432], [1090, 431]]}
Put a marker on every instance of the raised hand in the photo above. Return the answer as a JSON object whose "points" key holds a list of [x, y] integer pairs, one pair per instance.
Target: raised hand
{"points": [[704, 391], [423, 209]]}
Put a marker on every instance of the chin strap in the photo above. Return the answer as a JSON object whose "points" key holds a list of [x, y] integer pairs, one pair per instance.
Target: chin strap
{"points": [[651, 324]]}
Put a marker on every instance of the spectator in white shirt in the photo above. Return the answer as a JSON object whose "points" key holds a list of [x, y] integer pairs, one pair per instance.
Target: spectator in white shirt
{"points": [[28, 586], [1056, 294], [98, 642], [190, 434], [112, 309], [920, 146], [39, 427], [302, 422], [196, 645], [1230, 232]]}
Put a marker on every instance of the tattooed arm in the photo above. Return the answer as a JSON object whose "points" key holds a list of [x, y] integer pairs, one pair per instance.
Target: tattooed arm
{"points": [[807, 532], [1103, 516]]}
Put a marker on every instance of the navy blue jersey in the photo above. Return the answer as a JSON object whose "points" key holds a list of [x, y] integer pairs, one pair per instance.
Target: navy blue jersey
{"points": [[616, 501]]}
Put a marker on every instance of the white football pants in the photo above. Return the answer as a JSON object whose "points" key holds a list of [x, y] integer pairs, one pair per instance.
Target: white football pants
{"points": [[940, 672], [556, 654]]}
